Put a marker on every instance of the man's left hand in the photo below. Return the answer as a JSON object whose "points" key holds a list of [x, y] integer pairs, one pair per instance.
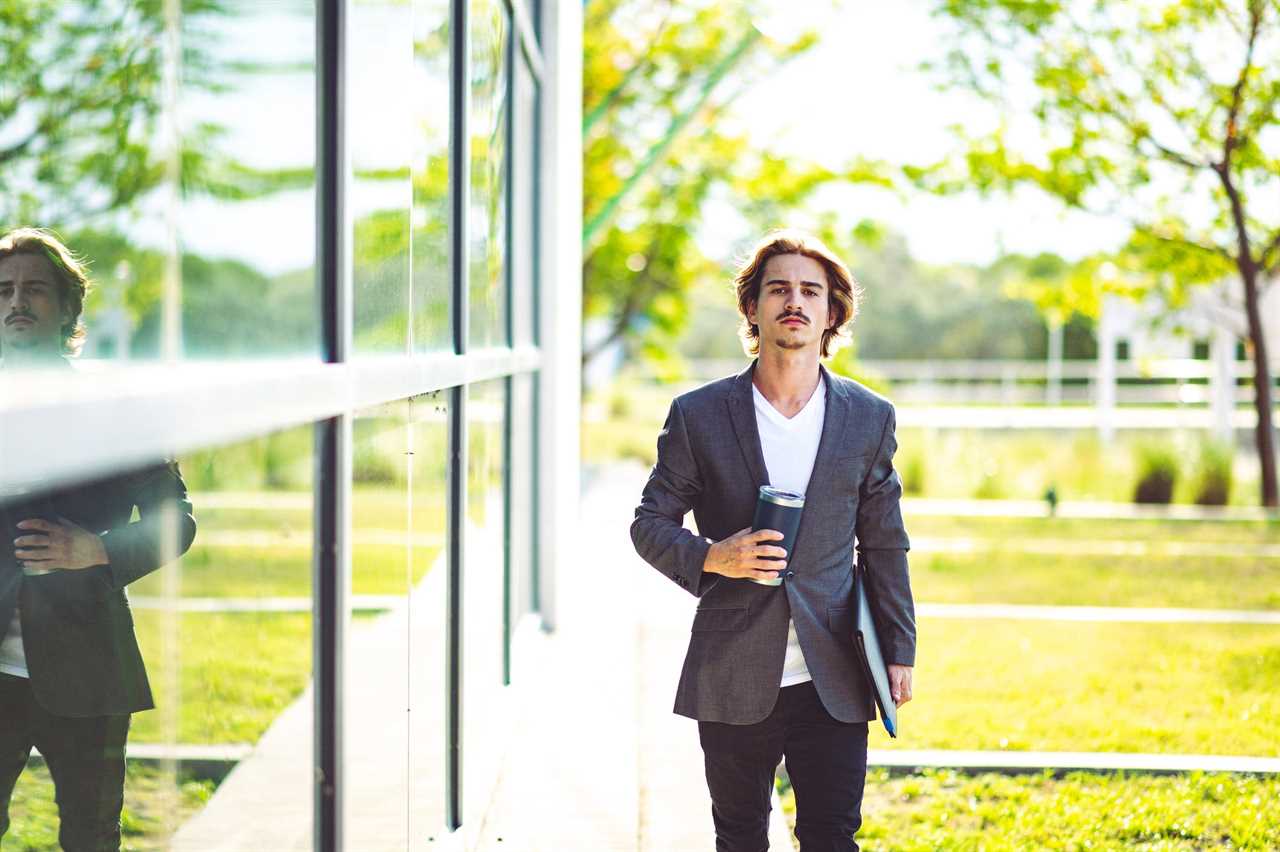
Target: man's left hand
{"points": [[58, 545], [900, 683]]}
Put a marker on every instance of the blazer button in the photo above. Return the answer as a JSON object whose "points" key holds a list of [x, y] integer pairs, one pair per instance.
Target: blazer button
{"points": [[790, 574]]}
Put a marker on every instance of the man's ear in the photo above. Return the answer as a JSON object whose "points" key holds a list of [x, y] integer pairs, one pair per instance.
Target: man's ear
{"points": [[751, 312]]}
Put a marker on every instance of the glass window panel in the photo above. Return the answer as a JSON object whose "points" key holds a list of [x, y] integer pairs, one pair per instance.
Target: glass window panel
{"points": [[430, 94], [486, 221], [214, 554], [377, 704], [188, 190], [524, 158], [245, 228], [482, 590], [379, 133], [428, 562]]}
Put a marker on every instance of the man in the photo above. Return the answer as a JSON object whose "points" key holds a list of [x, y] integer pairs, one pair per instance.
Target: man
{"points": [[771, 671], [71, 672]]}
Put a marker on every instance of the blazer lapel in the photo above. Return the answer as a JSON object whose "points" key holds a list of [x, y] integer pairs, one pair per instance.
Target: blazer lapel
{"points": [[742, 413], [833, 418], [820, 480]]}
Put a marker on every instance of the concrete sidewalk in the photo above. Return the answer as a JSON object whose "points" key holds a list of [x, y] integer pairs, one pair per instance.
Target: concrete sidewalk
{"points": [[600, 762]]}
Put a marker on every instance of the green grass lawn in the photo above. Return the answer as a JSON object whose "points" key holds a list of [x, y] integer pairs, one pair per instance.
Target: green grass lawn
{"points": [[234, 672], [1063, 686], [252, 571], [1153, 531], [1002, 573], [941, 810], [275, 558], [155, 804], [1138, 581], [237, 571]]}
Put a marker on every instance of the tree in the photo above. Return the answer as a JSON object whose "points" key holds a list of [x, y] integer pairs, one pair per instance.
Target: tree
{"points": [[81, 107], [1162, 113], [657, 80]]}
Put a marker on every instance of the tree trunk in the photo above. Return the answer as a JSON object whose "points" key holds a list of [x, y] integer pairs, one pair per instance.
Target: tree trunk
{"points": [[1261, 383]]}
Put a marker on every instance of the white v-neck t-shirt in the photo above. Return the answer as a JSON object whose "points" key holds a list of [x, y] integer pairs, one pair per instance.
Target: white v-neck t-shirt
{"points": [[790, 446]]}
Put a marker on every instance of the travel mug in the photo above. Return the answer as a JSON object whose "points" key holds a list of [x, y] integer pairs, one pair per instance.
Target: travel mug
{"points": [[778, 510]]}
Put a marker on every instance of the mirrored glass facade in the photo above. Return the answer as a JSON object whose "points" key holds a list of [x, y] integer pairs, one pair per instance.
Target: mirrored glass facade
{"points": [[379, 136], [173, 152], [489, 114], [291, 486], [195, 637]]}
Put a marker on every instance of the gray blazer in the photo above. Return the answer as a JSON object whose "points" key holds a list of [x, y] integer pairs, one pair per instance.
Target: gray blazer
{"points": [[710, 461]]}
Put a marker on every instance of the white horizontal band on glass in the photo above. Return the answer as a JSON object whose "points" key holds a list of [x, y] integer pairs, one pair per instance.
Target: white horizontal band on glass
{"points": [[65, 425]]}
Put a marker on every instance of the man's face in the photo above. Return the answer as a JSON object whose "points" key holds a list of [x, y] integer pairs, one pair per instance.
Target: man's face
{"points": [[793, 310], [31, 312]]}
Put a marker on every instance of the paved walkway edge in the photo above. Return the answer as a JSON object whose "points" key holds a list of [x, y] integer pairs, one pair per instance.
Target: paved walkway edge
{"points": [[1068, 761]]}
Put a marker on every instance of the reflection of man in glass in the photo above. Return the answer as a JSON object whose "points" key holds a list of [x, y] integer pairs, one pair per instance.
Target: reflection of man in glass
{"points": [[71, 672]]}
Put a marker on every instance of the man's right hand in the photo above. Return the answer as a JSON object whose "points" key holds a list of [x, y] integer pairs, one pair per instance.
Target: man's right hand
{"points": [[744, 555]]}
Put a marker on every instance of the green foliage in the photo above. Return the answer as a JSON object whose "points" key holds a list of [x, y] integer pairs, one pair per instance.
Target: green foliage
{"points": [[916, 310], [1157, 473], [990, 486], [81, 109], [228, 308], [1213, 474], [845, 363], [913, 470], [279, 461], [1163, 113], [657, 79], [370, 466], [912, 310]]}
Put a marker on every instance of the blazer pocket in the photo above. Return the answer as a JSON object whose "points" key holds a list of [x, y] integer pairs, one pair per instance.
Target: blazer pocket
{"points": [[724, 618], [840, 620]]}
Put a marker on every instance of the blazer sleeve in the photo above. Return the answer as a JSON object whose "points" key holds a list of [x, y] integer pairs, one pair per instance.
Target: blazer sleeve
{"points": [[882, 551], [658, 531], [164, 530]]}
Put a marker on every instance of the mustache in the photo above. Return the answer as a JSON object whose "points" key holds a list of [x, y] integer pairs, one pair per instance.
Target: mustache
{"points": [[16, 315], [783, 317]]}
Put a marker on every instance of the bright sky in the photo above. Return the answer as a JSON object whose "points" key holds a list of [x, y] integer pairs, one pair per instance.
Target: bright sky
{"points": [[857, 93]]}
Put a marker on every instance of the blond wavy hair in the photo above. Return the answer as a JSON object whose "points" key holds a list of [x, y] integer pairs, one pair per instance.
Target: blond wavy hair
{"points": [[844, 292]]}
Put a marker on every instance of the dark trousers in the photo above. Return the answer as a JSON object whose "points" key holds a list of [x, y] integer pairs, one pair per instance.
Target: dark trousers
{"points": [[84, 756], [825, 758]]}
